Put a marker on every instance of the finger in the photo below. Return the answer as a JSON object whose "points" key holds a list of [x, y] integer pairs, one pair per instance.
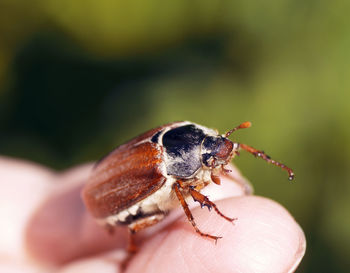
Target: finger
{"points": [[106, 263], [265, 238], [61, 230], [22, 186]]}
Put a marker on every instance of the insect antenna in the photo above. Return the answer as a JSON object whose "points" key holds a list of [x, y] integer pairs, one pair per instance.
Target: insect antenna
{"points": [[258, 153], [265, 157], [243, 125]]}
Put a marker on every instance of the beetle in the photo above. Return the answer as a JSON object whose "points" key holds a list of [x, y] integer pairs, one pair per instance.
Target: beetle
{"points": [[139, 182]]}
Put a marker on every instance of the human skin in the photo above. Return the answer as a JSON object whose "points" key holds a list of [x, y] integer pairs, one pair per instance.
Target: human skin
{"points": [[45, 228]]}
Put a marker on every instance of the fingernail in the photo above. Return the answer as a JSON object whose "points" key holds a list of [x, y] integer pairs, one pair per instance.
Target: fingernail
{"points": [[236, 176], [300, 251]]}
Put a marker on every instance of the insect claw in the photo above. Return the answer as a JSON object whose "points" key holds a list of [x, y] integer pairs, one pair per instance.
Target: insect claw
{"points": [[291, 176], [226, 170], [216, 239], [232, 220]]}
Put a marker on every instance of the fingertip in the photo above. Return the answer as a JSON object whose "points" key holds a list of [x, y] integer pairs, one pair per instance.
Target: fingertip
{"points": [[265, 238]]}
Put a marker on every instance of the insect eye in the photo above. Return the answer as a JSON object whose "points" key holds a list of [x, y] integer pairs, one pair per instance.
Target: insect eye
{"points": [[207, 159]]}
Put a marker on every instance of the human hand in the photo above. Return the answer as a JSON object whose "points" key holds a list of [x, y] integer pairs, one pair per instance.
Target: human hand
{"points": [[45, 228]]}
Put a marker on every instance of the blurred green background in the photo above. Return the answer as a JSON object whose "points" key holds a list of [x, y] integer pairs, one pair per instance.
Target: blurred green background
{"points": [[78, 78]]}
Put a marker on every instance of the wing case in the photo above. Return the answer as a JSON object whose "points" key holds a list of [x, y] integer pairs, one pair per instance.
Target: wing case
{"points": [[127, 175]]}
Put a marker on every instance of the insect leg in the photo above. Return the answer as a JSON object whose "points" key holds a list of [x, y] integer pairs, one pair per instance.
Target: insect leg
{"points": [[132, 247], [189, 214], [204, 201], [132, 250], [215, 179], [146, 222]]}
